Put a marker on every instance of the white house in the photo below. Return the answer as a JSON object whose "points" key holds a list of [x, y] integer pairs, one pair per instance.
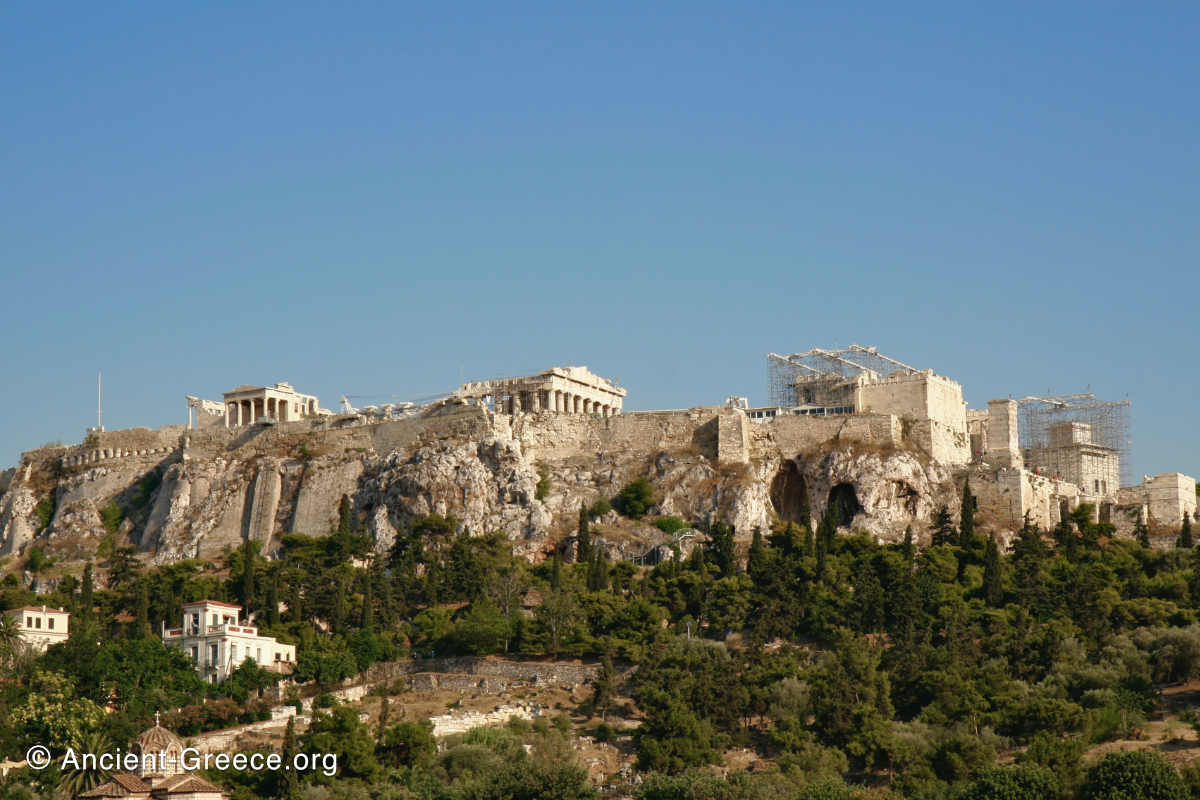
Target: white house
{"points": [[218, 643], [41, 626]]}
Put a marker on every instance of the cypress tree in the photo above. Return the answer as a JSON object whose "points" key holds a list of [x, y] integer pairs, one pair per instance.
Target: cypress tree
{"points": [[295, 610], [583, 543], [723, 547], [597, 577], [909, 550], [431, 584], [826, 534], [248, 577], [1142, 531], [343, 528], [384, 706], [290, 786], [993, 588], [142, 627], [809, 549], [756, 563], [337, 618], [966, 528], [602, 689], [555, 570], [1194, 584], [367, 623], [273, 620], [1185, 533], [943, 527], [86, 603]]}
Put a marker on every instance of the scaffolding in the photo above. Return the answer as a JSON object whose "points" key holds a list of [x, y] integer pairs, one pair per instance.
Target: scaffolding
{"points": [[825, 377], [1049, 427]]}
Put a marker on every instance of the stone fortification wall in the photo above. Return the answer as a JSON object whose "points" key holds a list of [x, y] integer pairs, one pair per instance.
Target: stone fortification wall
{"points": [[1003, 495], [789, 435], [934, 402], [527, 671]]}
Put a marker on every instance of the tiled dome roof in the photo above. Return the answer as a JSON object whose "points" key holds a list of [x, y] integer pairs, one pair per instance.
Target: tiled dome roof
{"points": [[155, 739]]}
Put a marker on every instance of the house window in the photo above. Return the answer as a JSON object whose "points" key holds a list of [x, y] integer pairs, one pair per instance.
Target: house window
{"points": [[196, 654], [277, 657], [214, 622], [213, 656], [233, 653], [195, 624], [1097, 486], [37, 623], [50, 623], [258, 655], [29, 622]]}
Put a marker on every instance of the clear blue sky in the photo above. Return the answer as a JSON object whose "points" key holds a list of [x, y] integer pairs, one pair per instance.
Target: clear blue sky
{"points": [[360, 198]]}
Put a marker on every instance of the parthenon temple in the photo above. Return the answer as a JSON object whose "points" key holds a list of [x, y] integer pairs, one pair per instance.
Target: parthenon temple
{"points": [[566, 390]]}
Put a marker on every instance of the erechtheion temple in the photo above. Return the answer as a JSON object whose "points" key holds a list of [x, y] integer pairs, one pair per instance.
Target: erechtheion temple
{"points": [[247, 405]]}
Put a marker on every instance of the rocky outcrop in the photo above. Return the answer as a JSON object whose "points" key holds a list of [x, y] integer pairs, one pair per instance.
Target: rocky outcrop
{"points": [[487, 485], [193, 494]]}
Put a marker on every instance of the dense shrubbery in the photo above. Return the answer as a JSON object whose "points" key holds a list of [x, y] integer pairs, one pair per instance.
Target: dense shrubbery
{"points": [[861, 670]]}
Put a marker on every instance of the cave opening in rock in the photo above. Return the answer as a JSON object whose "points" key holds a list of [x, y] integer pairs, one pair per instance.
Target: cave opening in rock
{"points": [[907, 498], [789, 493], [844, 501]]}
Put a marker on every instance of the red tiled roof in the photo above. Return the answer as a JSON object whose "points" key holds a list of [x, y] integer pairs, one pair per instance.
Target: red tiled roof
{"points": [[39, 609], [122, 785], [211, 603], [184, 783]]}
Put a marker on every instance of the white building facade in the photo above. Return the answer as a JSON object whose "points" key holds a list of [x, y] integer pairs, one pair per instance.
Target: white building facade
{"points": [[217, 642], [41, 626]]}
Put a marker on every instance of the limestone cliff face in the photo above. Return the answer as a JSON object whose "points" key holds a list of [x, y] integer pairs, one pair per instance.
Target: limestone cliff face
{"points": [[192, 494], [487, 485]]}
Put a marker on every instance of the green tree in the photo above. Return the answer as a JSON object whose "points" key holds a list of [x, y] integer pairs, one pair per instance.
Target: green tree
{"points": [[484, 630], [966, 525], [123, 568], [1185, 533], [273, 619], [340, 731], [1141, 531], [248, 552], [583, 541], [54, 715], [86, 601], [993, 587], [142, 629], [722, 546], [908, 548], [603, 690], [1133, 775], [289, 787], [367, 620], [1023, 782], [598, 568], [295, 606], [635, 498], [407, 744], [942, 531]]}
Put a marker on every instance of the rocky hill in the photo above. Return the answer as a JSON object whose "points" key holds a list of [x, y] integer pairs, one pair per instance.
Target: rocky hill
{"points": [[177, 493]]}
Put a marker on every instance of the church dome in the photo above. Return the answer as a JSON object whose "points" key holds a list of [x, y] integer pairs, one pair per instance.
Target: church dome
{"points": [[155, 739], [153, 742]]}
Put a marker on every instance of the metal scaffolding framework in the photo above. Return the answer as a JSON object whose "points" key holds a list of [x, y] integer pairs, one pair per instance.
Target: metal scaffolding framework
{"points": [[823, 372], [1108, 421]]}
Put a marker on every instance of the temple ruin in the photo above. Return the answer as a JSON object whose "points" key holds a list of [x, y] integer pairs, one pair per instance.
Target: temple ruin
{"points": [[248, 405], [565, 390]]}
